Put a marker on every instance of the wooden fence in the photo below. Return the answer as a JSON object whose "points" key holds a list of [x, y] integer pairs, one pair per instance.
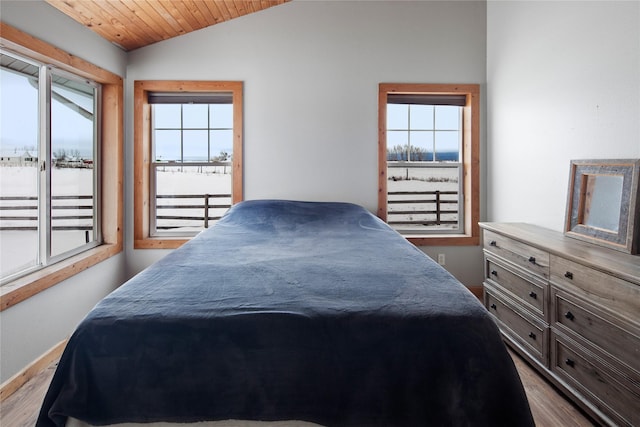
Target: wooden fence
{"points": [[406, 208], [19, 213], [67, 213], [211, 209], [422, 208], [427, 208]]}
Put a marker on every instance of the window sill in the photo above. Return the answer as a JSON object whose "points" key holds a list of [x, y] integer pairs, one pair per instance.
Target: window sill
{"points": [[27, 286], [160, 242], [444, 240]]}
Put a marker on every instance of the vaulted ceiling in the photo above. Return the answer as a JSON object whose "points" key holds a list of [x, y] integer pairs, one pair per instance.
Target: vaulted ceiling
{"points": [[131, 24]]}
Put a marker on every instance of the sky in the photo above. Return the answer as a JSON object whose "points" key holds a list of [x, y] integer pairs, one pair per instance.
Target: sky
{"points": [[417, 124], [19, 118], [208, 130]]}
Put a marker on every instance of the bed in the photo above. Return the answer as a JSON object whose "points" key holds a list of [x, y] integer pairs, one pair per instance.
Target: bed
{"points": [[285, 310]]}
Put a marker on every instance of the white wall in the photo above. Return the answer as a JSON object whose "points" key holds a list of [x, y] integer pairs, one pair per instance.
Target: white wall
{"points": [[30, 328], [311, 71], [563, 82]]}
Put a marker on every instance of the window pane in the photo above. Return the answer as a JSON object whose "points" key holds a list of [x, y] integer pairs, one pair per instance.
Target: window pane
{"points": [[206, 136], [18, 168], [423, 210], [421, 196], [397, 138], [72, 176], [421, 117], [448, 117], [195, 116], [221, 116], [167, 146], [448, 146], [397, 116], [421, 146], [397, 144], [167, 116], [181, 204], [195, 146], [221, 145]]}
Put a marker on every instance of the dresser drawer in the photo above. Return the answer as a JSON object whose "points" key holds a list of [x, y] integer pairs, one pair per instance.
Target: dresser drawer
{"points": [[530, 292], [526, 331], [578, 317], [612, 294], [597, 288], [602, 386], [527, 257]]}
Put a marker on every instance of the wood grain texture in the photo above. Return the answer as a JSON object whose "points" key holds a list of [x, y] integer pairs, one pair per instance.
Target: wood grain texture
{"points": [[593, 328], [549, 407], [614, 263], [131, 24], [18, 381]]}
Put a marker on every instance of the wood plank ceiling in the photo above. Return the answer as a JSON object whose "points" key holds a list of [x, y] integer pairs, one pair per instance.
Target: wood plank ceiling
{"points": [[131, 24]]}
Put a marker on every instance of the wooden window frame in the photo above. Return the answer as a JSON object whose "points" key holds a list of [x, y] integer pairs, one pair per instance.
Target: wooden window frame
{"points": [[470, 158], [111, 154], [143, 147]]}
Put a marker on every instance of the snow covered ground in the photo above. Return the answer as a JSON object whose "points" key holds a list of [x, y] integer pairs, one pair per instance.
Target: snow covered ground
{"points": [[19, 249]]}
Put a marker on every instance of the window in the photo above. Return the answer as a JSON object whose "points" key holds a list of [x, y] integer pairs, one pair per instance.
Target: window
{"points": [[428, 158], [191, 134], [60, 166], [49, 187]]}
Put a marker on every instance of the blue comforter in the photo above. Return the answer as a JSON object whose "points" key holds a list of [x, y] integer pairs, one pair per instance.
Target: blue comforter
{"points": [[290, 311]]}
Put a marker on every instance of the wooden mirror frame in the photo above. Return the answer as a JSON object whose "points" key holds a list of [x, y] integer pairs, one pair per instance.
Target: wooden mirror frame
{"points": [[626, 236]]}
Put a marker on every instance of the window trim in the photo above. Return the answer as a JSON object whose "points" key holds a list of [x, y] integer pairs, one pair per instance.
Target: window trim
{"points": [[143, 146], [111, 154], [470, 158]]}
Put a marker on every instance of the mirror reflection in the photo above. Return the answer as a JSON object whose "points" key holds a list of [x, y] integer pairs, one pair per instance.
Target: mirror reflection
{"points": [[601, 201]]}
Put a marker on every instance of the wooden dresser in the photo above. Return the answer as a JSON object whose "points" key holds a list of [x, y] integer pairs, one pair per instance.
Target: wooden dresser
{"points": [[572, 309]]}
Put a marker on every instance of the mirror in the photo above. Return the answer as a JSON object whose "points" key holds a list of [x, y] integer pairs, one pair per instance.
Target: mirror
{"points": [[602, 205], [602, 199]]}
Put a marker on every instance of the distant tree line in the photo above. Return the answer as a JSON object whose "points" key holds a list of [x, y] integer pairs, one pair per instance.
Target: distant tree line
{"points": [[402, 152], [62, 153], [222, 157]]}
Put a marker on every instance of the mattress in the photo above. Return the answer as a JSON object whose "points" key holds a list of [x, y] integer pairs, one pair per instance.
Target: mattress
{"points": [[287, 310]]}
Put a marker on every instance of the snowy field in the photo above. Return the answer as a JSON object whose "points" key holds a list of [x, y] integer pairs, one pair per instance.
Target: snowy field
{"points": [[192, 180], [19, 248], [423, 179]]}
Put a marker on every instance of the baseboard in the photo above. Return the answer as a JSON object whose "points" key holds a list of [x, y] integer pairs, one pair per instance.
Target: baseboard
{"points": [[477, 291], [21, 378]]}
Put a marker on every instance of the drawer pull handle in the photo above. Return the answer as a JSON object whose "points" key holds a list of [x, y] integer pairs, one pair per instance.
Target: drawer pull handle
{"points": [[570, 362], [532, 335], [493, 243], [494, 273], [568, 275], [533, 295], [494, 306], [569, 315], [532, 259]]}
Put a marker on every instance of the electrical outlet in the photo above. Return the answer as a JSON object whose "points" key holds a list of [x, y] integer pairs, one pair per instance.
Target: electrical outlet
{"points": [[441, 259]]}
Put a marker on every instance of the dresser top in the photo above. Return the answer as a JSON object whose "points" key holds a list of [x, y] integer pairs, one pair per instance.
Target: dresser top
{"points": [[610, 261]]}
